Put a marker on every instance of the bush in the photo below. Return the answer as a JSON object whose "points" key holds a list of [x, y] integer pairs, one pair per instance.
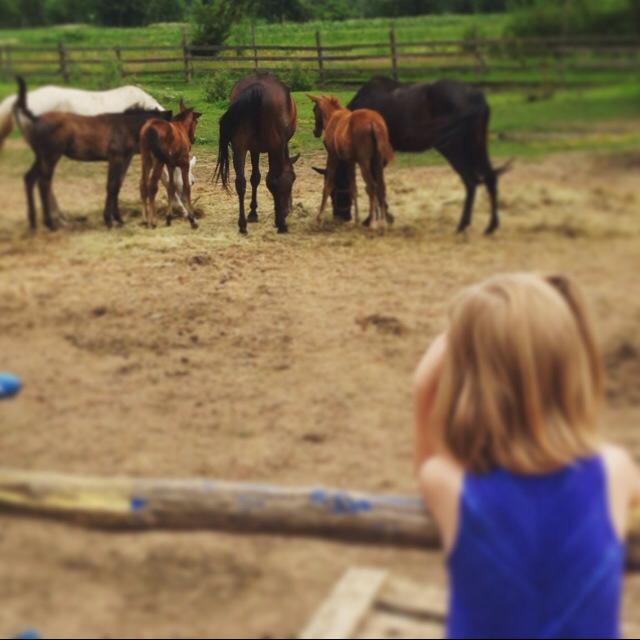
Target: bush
{"points": [[217, 87], [587, 17], [10, 13], [298, 78], [165, 11], [67, 11], [212, 20]]}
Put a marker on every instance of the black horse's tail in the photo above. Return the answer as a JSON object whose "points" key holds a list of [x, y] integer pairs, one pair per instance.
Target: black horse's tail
{"points": [[486, 168], [377, 163], [244, 109], [20, 107]]}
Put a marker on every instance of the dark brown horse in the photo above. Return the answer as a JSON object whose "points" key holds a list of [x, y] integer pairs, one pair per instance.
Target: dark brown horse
{"points": [[113, 138], [261, 118], [450, 116]]}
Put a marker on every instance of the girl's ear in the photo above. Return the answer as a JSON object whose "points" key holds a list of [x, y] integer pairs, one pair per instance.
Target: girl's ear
{"points": [[196, 115]]}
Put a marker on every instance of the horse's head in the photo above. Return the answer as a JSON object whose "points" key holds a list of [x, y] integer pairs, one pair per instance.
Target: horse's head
{"points": [[281, 186], [323, 107], [189, 119], [341, 194]]}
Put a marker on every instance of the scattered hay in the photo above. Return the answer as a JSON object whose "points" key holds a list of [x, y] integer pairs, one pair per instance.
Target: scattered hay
{"points": [[386, 325]]}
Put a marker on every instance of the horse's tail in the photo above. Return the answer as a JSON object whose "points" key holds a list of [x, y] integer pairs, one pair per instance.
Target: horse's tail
{"points": [[382, 150], [20, 105], [151, 140], [244, 109], [486, 168], [6, 118]]}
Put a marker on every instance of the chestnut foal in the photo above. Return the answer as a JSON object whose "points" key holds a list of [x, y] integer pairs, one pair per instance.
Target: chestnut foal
{"points": [[354, 137], [167, 144]]}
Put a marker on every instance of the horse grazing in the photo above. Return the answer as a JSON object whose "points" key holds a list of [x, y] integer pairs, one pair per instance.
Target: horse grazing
{"points": [[113, 138], [449, 116], [167, 145], [261, 118], [83, 103], [351, 137]]}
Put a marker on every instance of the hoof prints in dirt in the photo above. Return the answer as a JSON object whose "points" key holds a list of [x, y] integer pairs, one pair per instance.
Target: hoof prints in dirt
{"points": [[388, 325]]}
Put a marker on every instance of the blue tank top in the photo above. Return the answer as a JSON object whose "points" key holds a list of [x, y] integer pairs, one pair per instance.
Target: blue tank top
{"points": [[536, 556]]}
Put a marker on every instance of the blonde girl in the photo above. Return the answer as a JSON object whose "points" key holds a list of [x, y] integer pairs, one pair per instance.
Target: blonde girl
{"points": [[532, 505]]}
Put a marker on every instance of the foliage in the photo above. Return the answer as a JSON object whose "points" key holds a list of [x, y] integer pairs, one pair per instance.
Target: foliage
{"points": [[217, 87], [574, 17], [212, 20], [298, 78]]}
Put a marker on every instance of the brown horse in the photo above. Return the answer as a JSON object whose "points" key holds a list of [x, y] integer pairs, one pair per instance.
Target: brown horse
{"points": [[167, 144], [354, 137], [113, 138], [261, 118]]}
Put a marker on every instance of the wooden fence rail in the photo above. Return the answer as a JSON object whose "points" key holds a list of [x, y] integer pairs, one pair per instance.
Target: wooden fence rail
{"points": [[144, 504], [527, 59]]}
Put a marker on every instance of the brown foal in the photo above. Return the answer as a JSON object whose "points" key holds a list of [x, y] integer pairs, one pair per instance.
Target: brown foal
{"points": [[167, 144], [354, 137]]}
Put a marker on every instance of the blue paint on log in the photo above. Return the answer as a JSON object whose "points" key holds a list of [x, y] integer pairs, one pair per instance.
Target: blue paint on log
{"points": [[28, 634], [339, 502], [137, 503], [9, 384]]}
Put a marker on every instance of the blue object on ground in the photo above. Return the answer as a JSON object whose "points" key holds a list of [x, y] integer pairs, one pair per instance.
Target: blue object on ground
{"points": [[9, 384], [28, 634]]}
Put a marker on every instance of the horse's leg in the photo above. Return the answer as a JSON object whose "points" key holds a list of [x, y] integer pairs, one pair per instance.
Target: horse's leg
{"points": [[124, 167], [255, 181], [47, 167], [30, 179], [239, 159], [491, 182], [169, 181], [470, 186], [147, 163], [381, 191], [156, 172], [353, 187], [329, 182], [369, 181], [186, 185], [114, 174]]}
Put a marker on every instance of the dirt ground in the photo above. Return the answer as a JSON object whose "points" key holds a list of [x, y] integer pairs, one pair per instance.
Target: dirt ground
{"points": [[286, 359]]}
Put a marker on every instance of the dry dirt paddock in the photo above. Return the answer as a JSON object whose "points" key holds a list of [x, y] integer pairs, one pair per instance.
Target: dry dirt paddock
{"points": [[285, 359]]}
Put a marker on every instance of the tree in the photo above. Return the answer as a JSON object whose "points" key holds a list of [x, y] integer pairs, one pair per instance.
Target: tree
{"points": [[212, 20], [121, 13]]}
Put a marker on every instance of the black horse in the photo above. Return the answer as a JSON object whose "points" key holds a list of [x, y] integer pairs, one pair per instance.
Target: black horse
{"points": [[450, 116]]}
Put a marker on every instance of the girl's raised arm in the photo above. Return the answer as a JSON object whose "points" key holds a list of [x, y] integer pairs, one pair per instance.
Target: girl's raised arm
{"points": [[425, 387]]}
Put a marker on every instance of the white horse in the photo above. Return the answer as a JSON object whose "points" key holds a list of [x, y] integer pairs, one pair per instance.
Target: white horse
{"points": [[87, 103]]}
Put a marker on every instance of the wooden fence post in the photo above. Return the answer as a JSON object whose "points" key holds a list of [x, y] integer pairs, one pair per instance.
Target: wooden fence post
{"points": [[320, 57], [118, 52], [64, 69], [185, 55], [394, 53], [253, 42]]}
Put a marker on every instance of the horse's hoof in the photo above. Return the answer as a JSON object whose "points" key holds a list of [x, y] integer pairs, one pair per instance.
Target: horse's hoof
{"points": [[367, 222], [194, 225], [462, 227], [243, 231], [168, 222], [490, 229], [252, 217], [390, 219], [283, 229]]}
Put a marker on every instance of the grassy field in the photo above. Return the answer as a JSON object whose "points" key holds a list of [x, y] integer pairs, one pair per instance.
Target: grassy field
{"points": [[339, 32]]}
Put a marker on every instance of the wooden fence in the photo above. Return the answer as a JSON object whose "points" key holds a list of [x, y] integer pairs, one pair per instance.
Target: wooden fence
{"points": [[490, 60]]}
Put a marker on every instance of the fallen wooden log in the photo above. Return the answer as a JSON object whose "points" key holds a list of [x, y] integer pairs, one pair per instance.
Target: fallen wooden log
{"points": [[142, 503]]}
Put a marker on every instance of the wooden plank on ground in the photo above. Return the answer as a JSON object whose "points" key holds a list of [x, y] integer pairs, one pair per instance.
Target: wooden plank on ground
{"points": [[344, 610], [382, 624]]}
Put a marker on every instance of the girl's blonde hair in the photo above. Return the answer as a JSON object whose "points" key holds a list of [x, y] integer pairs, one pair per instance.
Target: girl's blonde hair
{"points": [[522, 378]]}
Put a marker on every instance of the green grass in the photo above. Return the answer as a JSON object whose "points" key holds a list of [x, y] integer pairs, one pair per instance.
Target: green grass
{"points": [[338, 32], [525, 121]]}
